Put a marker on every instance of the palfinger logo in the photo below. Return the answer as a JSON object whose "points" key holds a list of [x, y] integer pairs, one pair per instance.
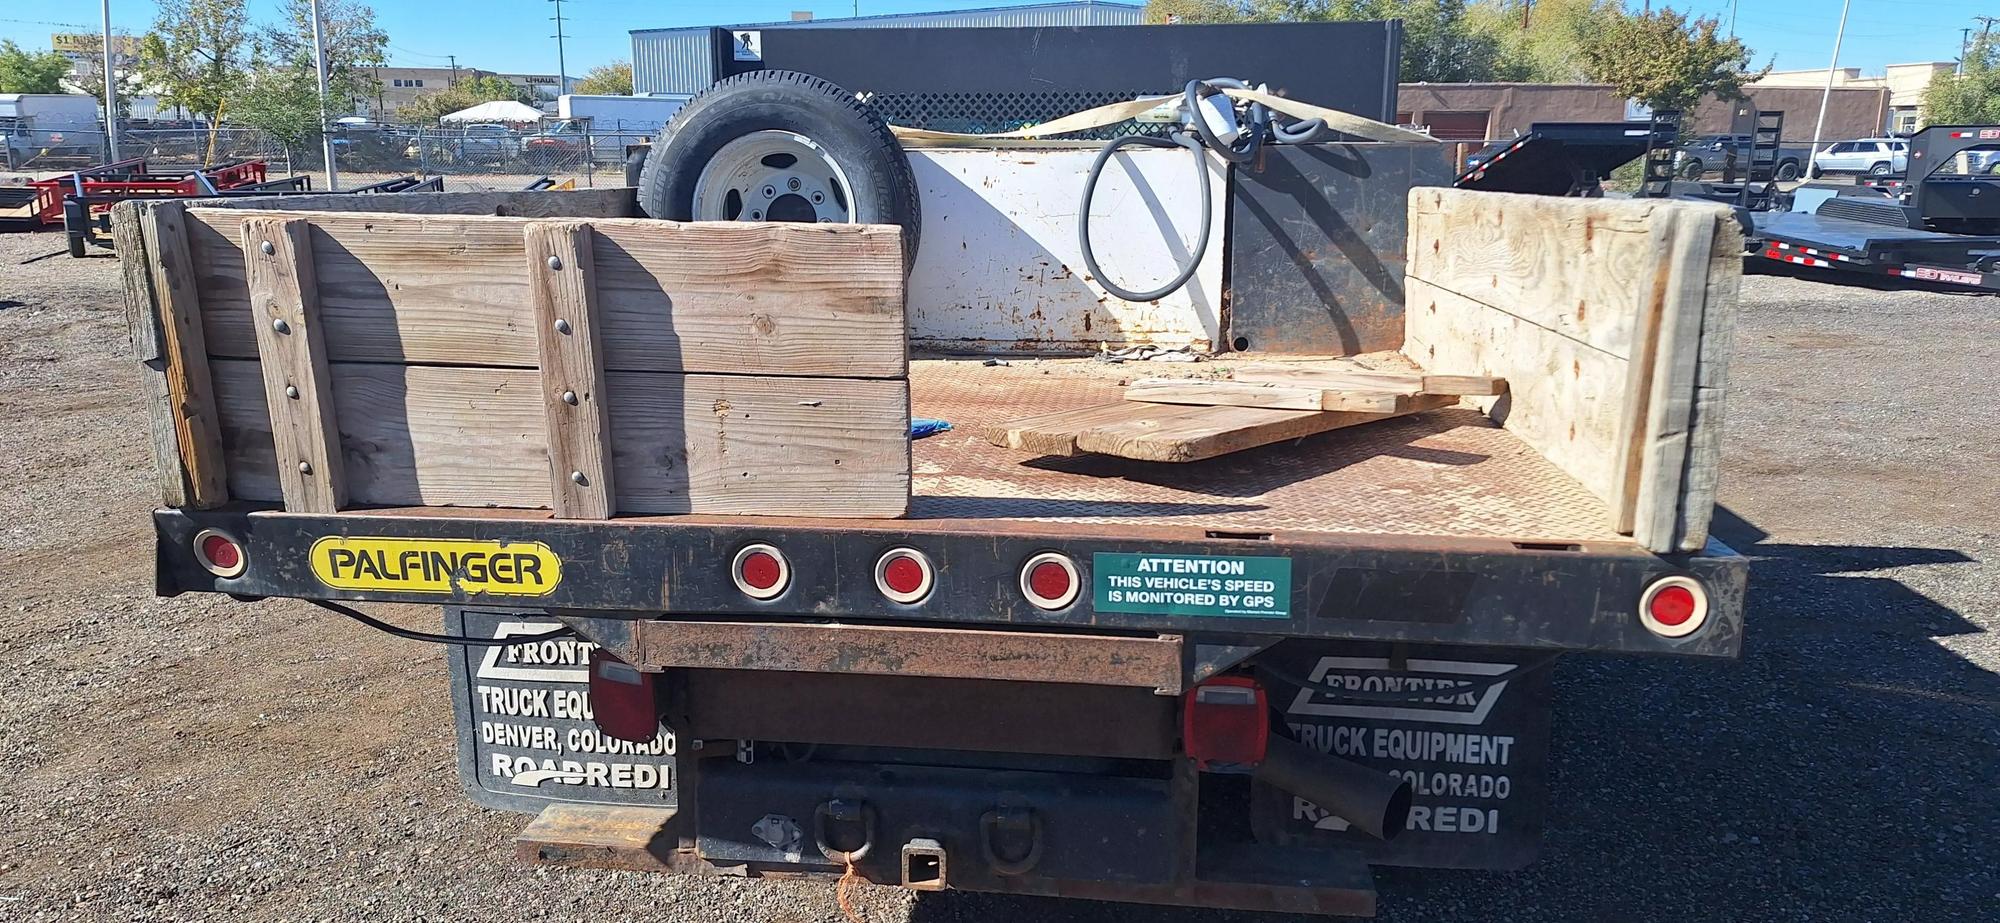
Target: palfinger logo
{"points": [[460, 566]]}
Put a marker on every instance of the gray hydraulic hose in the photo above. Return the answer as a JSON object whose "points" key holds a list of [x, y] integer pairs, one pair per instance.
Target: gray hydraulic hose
{"points": [[1181, 278]]}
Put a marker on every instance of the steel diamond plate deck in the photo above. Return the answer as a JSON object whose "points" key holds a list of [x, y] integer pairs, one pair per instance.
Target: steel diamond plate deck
{"points": [[1445, 473]]}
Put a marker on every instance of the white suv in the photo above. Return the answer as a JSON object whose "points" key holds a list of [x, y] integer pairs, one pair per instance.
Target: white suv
{"points": [[1874, 156]]}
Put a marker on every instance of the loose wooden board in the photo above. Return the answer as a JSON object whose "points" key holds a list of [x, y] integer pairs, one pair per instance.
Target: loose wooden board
{"points": [[720, 297], [1215, 393], [1358, 379], [727, 444], [1171, 433]]}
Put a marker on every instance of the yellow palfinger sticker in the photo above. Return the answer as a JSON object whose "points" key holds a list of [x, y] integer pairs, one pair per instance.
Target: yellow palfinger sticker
{"points": [[436, 565]]}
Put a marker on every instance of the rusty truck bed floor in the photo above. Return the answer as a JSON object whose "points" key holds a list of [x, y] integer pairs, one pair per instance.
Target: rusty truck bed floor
{"points": [[1445, 473]]}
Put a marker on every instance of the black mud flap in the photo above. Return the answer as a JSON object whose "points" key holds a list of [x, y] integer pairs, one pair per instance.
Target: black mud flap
{"points": [[1475, 757], [525, 736]]}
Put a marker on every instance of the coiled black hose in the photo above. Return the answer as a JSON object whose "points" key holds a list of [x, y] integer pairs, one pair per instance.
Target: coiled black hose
{"points": [[1199, 140]]}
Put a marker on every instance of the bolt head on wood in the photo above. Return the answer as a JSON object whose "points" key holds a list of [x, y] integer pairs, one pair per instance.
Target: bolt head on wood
{"points": [[281, 325], [555, 262], [292, 391], [569, 397], [269, 249], [562, 325], [576, 477], [305, 467]]}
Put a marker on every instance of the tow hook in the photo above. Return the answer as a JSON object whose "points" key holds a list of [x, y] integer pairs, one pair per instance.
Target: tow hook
{"points": [[1010, 831], [850, 817]]}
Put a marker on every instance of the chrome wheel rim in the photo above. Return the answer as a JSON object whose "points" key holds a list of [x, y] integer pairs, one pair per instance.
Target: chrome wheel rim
{"points": [[773, 176]]}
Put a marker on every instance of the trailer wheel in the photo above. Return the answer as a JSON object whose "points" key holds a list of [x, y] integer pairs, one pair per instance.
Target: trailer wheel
{"points": [[779, 145]]}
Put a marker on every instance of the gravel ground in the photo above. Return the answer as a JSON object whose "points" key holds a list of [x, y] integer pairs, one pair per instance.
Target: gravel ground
{"points": [[199, 759]]}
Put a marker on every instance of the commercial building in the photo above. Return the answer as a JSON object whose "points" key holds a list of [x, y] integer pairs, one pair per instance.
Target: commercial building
{"points": [[678, 60], [1905, 84], [401, 86]]}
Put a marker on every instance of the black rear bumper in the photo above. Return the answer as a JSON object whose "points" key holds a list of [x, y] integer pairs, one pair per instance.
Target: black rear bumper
{"points": [[1458, 591]]}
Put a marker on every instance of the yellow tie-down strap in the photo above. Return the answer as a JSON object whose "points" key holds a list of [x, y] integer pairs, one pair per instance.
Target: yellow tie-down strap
{"points": [[1344, 122]]}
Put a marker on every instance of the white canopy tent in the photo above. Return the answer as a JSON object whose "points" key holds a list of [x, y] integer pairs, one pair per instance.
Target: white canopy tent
{"points": [[499, 110]]}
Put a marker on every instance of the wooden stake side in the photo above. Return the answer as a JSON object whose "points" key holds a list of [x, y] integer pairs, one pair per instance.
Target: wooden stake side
{"points": [[142, 325], [284, 296], [197, 434], [562, 285]]}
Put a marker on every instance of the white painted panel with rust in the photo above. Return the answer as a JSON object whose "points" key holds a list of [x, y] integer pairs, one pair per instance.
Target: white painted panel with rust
{"points": [[999, 267]]}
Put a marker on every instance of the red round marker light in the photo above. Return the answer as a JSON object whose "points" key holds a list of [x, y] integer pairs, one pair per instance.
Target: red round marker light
{"points": [[904, 575], [1050, 580], [1673, 607], [219, 554], [761, 571]]}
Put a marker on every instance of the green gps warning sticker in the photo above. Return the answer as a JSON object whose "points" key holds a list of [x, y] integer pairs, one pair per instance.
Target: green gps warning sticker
{"points": [[1192, 585]]}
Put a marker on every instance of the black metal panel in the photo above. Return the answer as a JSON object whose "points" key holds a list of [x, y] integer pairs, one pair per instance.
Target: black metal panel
{"points": [[1346, 65], [1364, 588], [1316, 245]]}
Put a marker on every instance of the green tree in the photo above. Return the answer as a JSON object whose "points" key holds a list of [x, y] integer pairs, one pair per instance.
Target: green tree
{"points": [[89, 77], [196, 53], [1970, 98], [1667, 60], [465, 94], [24, 71], [281, 94], [1440, 44], [1543, 42], [614, 79]]}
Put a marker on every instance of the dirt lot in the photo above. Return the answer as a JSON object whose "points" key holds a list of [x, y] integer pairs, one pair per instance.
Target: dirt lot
{"points": [[201, 759]]}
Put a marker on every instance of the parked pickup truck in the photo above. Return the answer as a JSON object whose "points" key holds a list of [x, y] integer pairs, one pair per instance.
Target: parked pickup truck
{"points": [[1710, 153], [709, 607]]}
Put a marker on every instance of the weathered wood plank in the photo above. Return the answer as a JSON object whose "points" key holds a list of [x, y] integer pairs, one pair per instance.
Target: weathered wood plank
{"points": [[297, 386], [1357, 379], [1053, 433], [561, 282], [1186, 434], [1660, 447], [1214, 393], [1579, 267], [726, 444], [728, 298], [1173, 433], [197, 430], [1564, 396], [1209, 392], [1696, 506], [142, 326]]}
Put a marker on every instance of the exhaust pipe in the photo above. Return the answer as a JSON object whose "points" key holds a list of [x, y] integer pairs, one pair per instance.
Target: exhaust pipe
{"points": [[1375, 802]]}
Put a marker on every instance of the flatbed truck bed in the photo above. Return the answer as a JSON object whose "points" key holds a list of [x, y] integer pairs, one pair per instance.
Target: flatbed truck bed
{"points": [[1828, 242], [722, 644]]}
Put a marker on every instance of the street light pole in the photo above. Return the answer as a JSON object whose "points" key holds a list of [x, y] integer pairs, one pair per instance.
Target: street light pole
{"points": [[1819, 128], [325, 132], [562, 68], [110, 91]]}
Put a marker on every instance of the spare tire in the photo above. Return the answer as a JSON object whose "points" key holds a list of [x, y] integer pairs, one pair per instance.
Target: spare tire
{"points": [[779, 145]]}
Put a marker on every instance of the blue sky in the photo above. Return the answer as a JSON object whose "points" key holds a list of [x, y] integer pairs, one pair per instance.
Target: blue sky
{"points": [[513, 35]]}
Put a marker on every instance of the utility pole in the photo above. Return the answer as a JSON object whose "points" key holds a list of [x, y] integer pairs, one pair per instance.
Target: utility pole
{"points": [[1732, 18], [325, 130], [1819, 127], [562, 68], [454, 70], [110, 90], [1964, 45], [1526, 5]]}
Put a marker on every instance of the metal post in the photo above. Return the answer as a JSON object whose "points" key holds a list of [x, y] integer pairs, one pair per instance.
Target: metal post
{"points": [[110, 90], [1819, 127], [325, 130], [562, 68]]}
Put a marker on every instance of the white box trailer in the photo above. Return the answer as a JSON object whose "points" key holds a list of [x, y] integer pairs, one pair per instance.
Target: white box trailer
{"points": [[37, 124]]}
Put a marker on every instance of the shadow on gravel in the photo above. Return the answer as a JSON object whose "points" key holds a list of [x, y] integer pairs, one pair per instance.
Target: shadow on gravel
{"points": [[1844, 769]]}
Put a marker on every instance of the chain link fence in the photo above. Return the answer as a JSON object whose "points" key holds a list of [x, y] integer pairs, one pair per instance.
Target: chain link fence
{"points": [[470, 157]]}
